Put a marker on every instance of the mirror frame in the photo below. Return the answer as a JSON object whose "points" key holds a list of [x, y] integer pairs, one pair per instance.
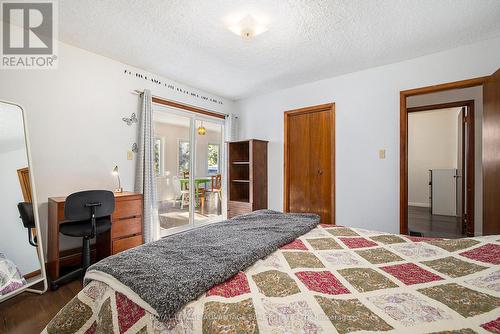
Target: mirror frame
{"points": [[30, 282]]}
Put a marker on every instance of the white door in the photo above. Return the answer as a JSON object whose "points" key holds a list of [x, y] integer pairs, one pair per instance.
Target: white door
{"points": [[444, 192]]}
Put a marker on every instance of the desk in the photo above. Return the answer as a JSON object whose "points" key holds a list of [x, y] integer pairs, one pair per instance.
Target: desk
{"points": [[125, 233]]}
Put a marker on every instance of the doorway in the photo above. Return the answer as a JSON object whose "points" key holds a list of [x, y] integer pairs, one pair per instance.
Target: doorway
{"points": [[189, 154], [465, 175], [309, 176], [441, 178]]}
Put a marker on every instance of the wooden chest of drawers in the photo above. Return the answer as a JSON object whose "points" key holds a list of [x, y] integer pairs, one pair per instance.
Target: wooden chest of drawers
{"points": [[126, 232]]}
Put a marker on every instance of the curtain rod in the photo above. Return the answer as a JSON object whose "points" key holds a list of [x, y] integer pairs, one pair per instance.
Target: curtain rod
{"points": [[189, 106]]}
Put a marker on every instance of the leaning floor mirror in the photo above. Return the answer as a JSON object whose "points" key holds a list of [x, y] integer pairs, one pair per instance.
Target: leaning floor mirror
{"points": [[22, 266]]}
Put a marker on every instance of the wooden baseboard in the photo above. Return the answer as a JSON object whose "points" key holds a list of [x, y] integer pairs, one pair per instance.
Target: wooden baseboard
{"points": [[32, 274], [69, 257]]}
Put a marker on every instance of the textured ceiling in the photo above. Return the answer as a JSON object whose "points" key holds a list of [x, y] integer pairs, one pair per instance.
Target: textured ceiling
{"points": [[308, 40]]}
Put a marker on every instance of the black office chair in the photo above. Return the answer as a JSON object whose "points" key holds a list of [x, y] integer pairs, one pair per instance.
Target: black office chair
{"points": [[86, 214], [28, 219]]}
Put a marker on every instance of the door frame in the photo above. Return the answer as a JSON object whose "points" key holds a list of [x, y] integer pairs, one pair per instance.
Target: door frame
{"points": [[330, 107], [403, 138], [468, 159]]}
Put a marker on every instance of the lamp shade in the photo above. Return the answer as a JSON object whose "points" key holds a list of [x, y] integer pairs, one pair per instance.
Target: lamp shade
{"points": [[117, 174]]}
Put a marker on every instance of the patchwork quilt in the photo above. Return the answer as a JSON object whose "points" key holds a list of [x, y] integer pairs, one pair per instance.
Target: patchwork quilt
{"points": [[330, 280]]}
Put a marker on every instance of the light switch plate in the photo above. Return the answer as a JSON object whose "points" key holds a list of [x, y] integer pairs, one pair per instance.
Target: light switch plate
{"points": [[381, 154], [130, 155]]}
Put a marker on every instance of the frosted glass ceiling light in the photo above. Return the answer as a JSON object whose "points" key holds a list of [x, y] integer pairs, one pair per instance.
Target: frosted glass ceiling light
{"points": [[248, 27]]}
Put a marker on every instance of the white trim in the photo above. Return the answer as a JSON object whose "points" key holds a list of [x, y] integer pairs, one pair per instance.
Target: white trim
{"points": [[421, 205]]}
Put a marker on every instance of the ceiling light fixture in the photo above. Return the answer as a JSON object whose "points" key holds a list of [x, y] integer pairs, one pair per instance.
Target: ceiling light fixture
{"points": [[248, 26]]}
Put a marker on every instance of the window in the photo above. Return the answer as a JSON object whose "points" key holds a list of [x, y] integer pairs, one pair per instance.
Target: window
{"points": [[158, 157], [213, 159], [183, 157]]}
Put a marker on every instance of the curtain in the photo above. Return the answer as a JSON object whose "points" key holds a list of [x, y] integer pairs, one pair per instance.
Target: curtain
{"points": [[145, 176]]}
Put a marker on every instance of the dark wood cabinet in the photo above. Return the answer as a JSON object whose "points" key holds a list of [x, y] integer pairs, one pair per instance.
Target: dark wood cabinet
{"points": [[247, 176]]}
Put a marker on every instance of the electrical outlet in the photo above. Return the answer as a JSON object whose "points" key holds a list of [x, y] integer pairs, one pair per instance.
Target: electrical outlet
{"points": [[130, 155], [381, 154]]}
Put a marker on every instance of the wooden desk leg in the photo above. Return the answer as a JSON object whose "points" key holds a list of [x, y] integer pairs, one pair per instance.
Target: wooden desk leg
{"points": [[53, 241]]}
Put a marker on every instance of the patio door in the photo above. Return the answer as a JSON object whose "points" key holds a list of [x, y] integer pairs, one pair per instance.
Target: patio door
{"points": [[189, 155], [207, 171]]}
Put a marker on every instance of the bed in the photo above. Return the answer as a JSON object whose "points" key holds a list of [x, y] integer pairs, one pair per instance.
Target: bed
{"points": [[327, 280]]}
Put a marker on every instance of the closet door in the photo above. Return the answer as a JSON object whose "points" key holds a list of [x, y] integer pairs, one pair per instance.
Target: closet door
{"points": [[309, 161], [491, 154]]}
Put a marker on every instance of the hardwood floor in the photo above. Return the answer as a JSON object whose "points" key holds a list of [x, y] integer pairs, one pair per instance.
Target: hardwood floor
{"points": [[29, 313], [421, 220]]}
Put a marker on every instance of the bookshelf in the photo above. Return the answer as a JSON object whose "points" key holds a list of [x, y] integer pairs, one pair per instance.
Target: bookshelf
{"points": [[247, 172]]}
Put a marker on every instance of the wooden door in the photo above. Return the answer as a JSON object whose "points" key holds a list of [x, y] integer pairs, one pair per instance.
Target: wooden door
{"points": [[309, 184], [460, 176], [491, 155], [24, 180], [466, 169]]}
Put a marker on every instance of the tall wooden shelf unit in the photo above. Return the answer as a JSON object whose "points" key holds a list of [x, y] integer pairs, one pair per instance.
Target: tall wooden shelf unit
{"points": [[247, 166]]}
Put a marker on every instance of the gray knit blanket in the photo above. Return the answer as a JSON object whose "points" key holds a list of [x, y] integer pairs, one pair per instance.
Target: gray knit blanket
{"points": [[171, 272]]}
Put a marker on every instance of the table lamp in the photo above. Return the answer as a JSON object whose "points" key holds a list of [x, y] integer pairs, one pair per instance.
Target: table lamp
{"points": [[117, 174]]}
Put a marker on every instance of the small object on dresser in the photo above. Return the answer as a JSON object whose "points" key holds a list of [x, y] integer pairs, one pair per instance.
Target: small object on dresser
{"points": [[117, 174]]}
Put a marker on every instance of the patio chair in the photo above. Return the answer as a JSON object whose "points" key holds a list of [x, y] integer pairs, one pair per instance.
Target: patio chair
{"points": [[181, 193]]}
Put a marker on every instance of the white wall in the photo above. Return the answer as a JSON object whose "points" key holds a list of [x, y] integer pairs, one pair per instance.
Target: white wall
{"points": [[14, 237], [476, 94], [171, 134], [74, 117], [367, 119], [432, 144]]}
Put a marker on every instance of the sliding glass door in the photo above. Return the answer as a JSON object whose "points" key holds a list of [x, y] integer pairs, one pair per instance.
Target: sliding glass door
{"points": [[208, 172], [189, 153]]}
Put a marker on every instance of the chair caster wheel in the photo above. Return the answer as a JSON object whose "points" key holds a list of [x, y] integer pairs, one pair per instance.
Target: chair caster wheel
{"points": [[54, 286]]}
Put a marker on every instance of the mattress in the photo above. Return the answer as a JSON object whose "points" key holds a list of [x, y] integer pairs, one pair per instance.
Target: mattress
{"points": [[331, 279]]}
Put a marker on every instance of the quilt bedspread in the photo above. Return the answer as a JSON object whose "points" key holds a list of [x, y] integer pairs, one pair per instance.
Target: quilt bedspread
{"points": [[332, 279]]}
